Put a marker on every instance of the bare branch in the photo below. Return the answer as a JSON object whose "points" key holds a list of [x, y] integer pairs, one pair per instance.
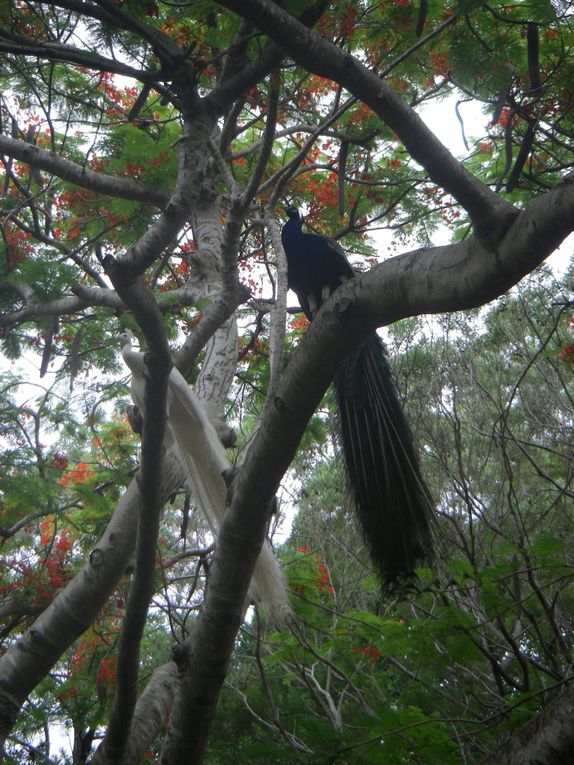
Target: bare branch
{"points": [[124, 188]]}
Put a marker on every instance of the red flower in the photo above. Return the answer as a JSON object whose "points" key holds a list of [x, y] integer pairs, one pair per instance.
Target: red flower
{"points": [[369, 651], [323, 580], [566, 354], [301, 322], [60, 460], [80, 474]]}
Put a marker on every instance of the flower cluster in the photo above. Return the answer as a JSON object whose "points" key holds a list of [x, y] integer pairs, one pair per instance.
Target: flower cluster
{"points": [[566, 353], [370, 652], [321, 576], [80, 474]]}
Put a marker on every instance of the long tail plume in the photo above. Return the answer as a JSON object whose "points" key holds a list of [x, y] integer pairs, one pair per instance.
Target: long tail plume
{"points": [[191, 435], [392, 502]]}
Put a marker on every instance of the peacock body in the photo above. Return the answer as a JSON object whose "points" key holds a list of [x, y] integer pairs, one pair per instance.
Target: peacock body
{"points": [[391, 500]]}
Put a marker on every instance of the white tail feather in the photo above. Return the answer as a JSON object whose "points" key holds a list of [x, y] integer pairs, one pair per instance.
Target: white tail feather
{"points": [[191, 435]]}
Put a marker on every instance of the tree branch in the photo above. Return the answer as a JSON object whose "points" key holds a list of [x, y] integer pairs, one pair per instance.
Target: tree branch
{"points": [[158, 364], [166, 49], [18, 45], [489, 213], [547, 738], [124, 188]]}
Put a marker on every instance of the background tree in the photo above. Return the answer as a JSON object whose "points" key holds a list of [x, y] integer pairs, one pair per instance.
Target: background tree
{"points": [[146, 150]]}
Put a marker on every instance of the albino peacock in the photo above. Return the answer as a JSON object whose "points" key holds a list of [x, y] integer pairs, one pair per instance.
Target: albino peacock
{"points": [[193, 438]]}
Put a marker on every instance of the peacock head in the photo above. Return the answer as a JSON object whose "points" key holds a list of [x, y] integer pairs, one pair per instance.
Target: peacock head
{"points": [[126, 338], [293, 213]]}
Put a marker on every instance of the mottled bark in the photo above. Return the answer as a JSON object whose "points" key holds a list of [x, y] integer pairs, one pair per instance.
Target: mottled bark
{"points": [[151, 712]]}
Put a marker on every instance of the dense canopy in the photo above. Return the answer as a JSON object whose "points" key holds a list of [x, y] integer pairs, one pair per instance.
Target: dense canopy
{"points": [[148, 151]]}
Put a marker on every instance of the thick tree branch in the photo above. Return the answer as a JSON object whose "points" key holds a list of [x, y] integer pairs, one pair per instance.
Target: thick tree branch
{"points": [[124, 188], [469, 274], [49, 308], [179, 297], [151, 712], [487, 210], [548, 738]]}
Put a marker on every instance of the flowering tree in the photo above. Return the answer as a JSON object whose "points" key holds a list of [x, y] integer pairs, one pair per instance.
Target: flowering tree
{"points": [[146, 151]]}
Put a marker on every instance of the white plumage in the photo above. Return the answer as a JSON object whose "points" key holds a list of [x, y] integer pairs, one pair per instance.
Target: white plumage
{"points": [[191, 435]]}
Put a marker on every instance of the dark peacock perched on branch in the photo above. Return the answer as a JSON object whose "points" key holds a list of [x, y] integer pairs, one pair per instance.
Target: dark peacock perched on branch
{"points": [[391, 499]]}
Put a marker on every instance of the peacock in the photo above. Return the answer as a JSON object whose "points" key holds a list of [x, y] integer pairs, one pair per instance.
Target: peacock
{"points": [[193, 438], [391, 499]]}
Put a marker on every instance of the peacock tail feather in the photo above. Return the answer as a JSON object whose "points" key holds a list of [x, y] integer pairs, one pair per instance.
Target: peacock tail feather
{"points": [[391, 499]]}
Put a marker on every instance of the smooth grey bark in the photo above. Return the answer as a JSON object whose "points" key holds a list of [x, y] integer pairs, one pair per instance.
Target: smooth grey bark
{"points": [[125, 188], [90, 296], [152, 711], [150, 714]]}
